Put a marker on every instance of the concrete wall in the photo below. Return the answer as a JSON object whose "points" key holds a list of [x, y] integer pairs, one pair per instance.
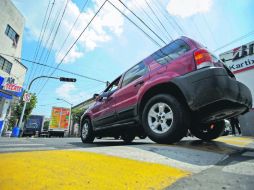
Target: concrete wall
{"points": [[247, 123], [10, 15]]}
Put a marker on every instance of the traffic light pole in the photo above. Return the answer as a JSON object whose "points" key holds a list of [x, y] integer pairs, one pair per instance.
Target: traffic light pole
{"points": [[30, 84]]}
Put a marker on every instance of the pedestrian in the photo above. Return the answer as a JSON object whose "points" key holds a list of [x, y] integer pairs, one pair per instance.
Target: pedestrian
{"points": [[234, 122]]}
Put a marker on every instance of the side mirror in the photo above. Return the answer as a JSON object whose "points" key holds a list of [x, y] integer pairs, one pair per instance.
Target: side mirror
{"points": [[95, 96]]}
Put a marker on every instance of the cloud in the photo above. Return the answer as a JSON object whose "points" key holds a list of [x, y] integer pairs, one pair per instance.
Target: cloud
{"points": [[107, 24], [70, 93], [73, 55], [187, 8]]}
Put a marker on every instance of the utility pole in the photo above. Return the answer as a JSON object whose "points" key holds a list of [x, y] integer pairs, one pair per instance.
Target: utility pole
{"points": [[63, 79]]}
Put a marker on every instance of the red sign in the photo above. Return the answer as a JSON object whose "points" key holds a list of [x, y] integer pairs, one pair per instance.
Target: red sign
{"points": [[12, 87], [26, 97]]}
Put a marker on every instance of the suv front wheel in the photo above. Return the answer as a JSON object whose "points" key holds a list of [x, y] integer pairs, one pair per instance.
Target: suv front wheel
{"points": [[87, 132], [165, 119]]}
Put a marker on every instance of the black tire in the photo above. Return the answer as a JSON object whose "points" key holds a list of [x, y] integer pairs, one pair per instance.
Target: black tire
{"points": [[87, 136], [128, 138], [208, 132], [180, 121], [142, 136]]}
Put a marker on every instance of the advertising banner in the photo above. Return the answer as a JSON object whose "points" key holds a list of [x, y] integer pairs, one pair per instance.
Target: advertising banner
{"points": [[239, 59], [59, 118]]}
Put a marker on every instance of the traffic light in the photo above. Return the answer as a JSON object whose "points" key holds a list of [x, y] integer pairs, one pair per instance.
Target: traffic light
{"points": [[67, 79]]}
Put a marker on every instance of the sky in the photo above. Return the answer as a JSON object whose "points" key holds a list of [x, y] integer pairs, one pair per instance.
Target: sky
{"points": [[112, 44]]}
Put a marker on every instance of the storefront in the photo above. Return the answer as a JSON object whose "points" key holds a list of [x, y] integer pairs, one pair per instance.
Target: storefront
{"points": [[240, 61], [8, 91]]}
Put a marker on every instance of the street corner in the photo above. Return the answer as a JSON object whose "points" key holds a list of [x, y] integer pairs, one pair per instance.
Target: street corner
{"points": [[66, 169]]}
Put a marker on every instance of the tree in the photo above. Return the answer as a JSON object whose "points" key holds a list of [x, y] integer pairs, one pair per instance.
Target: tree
{"points": [[76, 115], [17, 110], [46, 125]]}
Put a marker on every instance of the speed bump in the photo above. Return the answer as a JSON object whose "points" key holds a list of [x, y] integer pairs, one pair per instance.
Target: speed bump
{"points": [[64, 169]]}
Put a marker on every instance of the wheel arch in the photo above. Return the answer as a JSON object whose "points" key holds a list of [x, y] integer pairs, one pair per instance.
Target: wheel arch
{"points": [[165, 88], [83, 117]]}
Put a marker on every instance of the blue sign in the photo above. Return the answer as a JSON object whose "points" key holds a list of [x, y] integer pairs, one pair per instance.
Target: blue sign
{"points": [[8, 93]]}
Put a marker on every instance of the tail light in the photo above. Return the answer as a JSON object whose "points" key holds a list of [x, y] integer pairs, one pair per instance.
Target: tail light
{"points": [[203, 58]]}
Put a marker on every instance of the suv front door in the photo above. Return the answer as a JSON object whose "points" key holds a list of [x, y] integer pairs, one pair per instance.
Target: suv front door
{"points": [[127, 96], [103, 111]]}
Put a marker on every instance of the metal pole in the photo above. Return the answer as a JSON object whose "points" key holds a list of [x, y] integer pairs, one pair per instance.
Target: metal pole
{"points": [[22, 115], [70, 123], [24, 107]]}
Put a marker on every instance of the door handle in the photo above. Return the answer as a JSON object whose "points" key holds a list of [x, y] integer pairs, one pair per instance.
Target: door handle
{"points": [[139, 83]]}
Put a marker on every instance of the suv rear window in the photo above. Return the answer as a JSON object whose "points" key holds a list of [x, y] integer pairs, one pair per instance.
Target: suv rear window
{"points": [[171, 52]]}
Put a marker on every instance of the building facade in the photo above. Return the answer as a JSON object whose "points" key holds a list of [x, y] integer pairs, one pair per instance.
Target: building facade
{"points": [[240, 61], [12, 71], [83, 106]]}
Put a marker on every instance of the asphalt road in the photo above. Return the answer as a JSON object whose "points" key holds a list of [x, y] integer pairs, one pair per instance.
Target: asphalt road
{"points": [[227, 163]]}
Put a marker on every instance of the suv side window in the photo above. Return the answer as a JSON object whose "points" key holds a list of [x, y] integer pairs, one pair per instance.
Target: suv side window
{"points": [[171, 52], [134, 73]]}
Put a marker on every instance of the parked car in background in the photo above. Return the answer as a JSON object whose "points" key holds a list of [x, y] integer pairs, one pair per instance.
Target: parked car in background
{"points": [[180, 87]]}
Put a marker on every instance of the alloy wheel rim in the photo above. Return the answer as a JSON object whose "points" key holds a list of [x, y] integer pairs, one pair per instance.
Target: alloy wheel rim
{"points": [[160, 118], [84, 130]]}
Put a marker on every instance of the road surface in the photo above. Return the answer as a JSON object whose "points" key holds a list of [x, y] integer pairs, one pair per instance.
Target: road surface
{"points": [[66, 163]]}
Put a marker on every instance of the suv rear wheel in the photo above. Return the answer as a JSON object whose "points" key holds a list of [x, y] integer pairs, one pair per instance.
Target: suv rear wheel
{"points": [[208, 131], [87, 132], [165, 119]]}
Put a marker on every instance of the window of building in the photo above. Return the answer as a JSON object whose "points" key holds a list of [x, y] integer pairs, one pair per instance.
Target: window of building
{"points": [[5, 65], [171, 52], [10, 32], [134, 73]]}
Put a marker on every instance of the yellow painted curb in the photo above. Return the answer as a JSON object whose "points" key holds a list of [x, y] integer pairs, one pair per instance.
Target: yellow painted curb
{"points": [[81, 170], [238, 141]]}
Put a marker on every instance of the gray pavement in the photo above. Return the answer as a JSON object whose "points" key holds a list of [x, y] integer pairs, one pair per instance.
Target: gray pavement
{"points": [[214, 165]]}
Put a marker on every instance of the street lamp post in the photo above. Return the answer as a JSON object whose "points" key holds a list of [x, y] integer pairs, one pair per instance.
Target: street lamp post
{"points": [[70, 121], [63, 79]]}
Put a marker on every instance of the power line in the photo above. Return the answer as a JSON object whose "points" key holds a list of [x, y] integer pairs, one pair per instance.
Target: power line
{"points": [[166, 14], [46, 43], [236, 40], [55, 34], [65, 71], [39, 40], [40, 43], [158, 19], [147, 15], [82, 9], [74, 43], [154, 41], [142, 21]]}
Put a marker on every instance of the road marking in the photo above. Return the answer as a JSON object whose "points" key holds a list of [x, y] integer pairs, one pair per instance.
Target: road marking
{"points": [[250, 154], [10, 145], [238, 141], [183, 158], [23, 149], [82, 170], [242, 168]]}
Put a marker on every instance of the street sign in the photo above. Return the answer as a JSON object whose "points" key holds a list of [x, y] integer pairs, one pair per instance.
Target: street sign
{"points": [[27, 97]]}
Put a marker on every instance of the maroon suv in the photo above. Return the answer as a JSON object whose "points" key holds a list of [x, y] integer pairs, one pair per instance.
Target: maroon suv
{"points": [[180, 87]]}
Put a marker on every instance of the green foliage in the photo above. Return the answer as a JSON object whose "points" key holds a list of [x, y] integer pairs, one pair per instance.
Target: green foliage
{"points": [[76, 115], [17, 110], [46, 125]]}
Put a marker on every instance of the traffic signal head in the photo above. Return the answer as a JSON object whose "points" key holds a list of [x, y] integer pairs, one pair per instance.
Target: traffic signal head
{"points": [[67, 79]]}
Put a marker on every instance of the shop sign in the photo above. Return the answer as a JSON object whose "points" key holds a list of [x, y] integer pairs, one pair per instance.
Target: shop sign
{"points": [[9, 84]]}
